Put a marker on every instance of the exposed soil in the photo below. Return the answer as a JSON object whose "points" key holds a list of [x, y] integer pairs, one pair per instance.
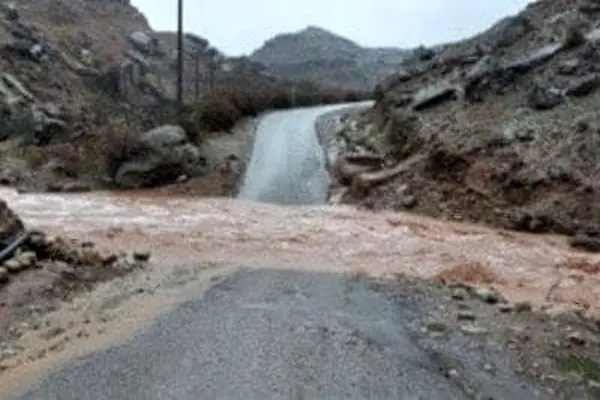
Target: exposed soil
{"points": [[495, 129]]}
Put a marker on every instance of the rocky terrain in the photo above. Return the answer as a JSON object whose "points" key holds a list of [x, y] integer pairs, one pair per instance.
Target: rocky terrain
{"points": [[38, 272], [502, 128], [319, 55], [87, 94]]}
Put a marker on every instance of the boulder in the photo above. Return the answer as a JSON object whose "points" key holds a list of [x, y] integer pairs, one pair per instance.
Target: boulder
{"points": [[11, 12], [10, 225], [536, 58], [433, 95], [143, 42], [166, 154], [583, 86], [543, 97]]}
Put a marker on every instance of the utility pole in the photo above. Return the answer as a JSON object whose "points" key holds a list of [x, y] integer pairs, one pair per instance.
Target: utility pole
{"points": [[197, 75], [180, 54], [293, 95]]}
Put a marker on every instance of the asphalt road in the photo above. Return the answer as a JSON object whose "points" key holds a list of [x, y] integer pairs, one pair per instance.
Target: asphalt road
{"points": [[288, 164], [266, 334]]}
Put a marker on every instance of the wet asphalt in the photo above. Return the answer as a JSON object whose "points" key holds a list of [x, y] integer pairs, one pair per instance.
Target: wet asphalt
{"points": [[272, 334]]}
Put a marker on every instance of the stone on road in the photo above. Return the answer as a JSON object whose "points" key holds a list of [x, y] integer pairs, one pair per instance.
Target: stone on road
{"points": [[273, 334]]}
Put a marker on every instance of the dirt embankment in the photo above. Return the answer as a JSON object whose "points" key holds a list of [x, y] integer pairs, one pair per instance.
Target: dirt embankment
{"points": [[38, 273], [502, 129]]}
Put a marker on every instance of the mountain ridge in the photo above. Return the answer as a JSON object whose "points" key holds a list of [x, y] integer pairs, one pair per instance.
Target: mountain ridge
{"points": [[318, 54]]}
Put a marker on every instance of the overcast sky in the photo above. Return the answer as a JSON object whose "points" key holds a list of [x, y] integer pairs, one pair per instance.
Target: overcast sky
{"points": [[240, 26]]}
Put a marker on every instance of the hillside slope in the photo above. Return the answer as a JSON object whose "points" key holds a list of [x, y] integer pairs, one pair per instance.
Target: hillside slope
{"points": [[317, 54], [82, 80], [501, 128]]}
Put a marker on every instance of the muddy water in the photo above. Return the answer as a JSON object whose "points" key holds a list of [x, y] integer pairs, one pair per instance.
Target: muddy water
{"points": [[180, 230]]}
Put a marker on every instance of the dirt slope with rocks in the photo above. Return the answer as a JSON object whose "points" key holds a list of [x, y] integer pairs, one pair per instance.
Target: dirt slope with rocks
{"points": [[502, 128], [38, 272]]}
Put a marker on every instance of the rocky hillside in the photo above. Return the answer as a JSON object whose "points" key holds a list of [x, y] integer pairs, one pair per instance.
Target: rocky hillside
{"points": [[317, 54], [84, 84], [502, 128]]}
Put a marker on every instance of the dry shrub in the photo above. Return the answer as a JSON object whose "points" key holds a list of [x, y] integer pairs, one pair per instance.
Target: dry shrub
{"points": [[402, 133], [221, 109], [70, 158], [117, 143], [33, 156]]}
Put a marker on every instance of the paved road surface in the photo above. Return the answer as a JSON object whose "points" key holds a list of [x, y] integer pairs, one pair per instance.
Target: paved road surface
{"points": [[288, 165], [264, 334]]}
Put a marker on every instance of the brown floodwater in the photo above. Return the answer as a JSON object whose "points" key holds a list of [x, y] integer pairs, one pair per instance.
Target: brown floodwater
{"points": [[184, 230]]}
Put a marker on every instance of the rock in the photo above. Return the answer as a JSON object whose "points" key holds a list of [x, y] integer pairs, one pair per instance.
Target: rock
{"points": [[589, 8], [11, 12], [437, 326], [141, 256], [433, 95], [487, 295], [4, 275], [409, 201], [68, 187], [390, 82], [544, 97], [166, 155], [10, 225], [144, 42], [90, 257], [584, 242], [473, 329], [485, 67], [534, 59], [569, 67], [576, 338], [506, 308], [459, 294], [523, 306], [466, 316], [14, 266], [583, 86]]}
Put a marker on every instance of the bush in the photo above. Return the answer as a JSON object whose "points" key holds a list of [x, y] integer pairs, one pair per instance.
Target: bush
{"points": [[117, 143], [221, 109]]}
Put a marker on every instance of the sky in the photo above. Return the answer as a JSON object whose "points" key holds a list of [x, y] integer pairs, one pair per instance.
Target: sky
{"points": [[238, 27]]}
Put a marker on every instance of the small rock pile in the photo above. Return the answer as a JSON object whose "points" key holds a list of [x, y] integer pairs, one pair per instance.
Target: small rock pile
{"points": [[23, 250]]}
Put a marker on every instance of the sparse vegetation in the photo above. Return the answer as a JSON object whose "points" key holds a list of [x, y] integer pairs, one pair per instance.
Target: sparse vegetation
{"points": [[221, 109]]}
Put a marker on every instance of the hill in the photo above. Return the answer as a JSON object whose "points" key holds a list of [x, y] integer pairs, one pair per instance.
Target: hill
{"points": [[501, 128], [317, 54], [83, 80]]}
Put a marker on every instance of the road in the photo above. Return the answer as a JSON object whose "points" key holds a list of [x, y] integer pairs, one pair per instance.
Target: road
{"points": [[284, 334], [288, 164], [266, 334]]}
